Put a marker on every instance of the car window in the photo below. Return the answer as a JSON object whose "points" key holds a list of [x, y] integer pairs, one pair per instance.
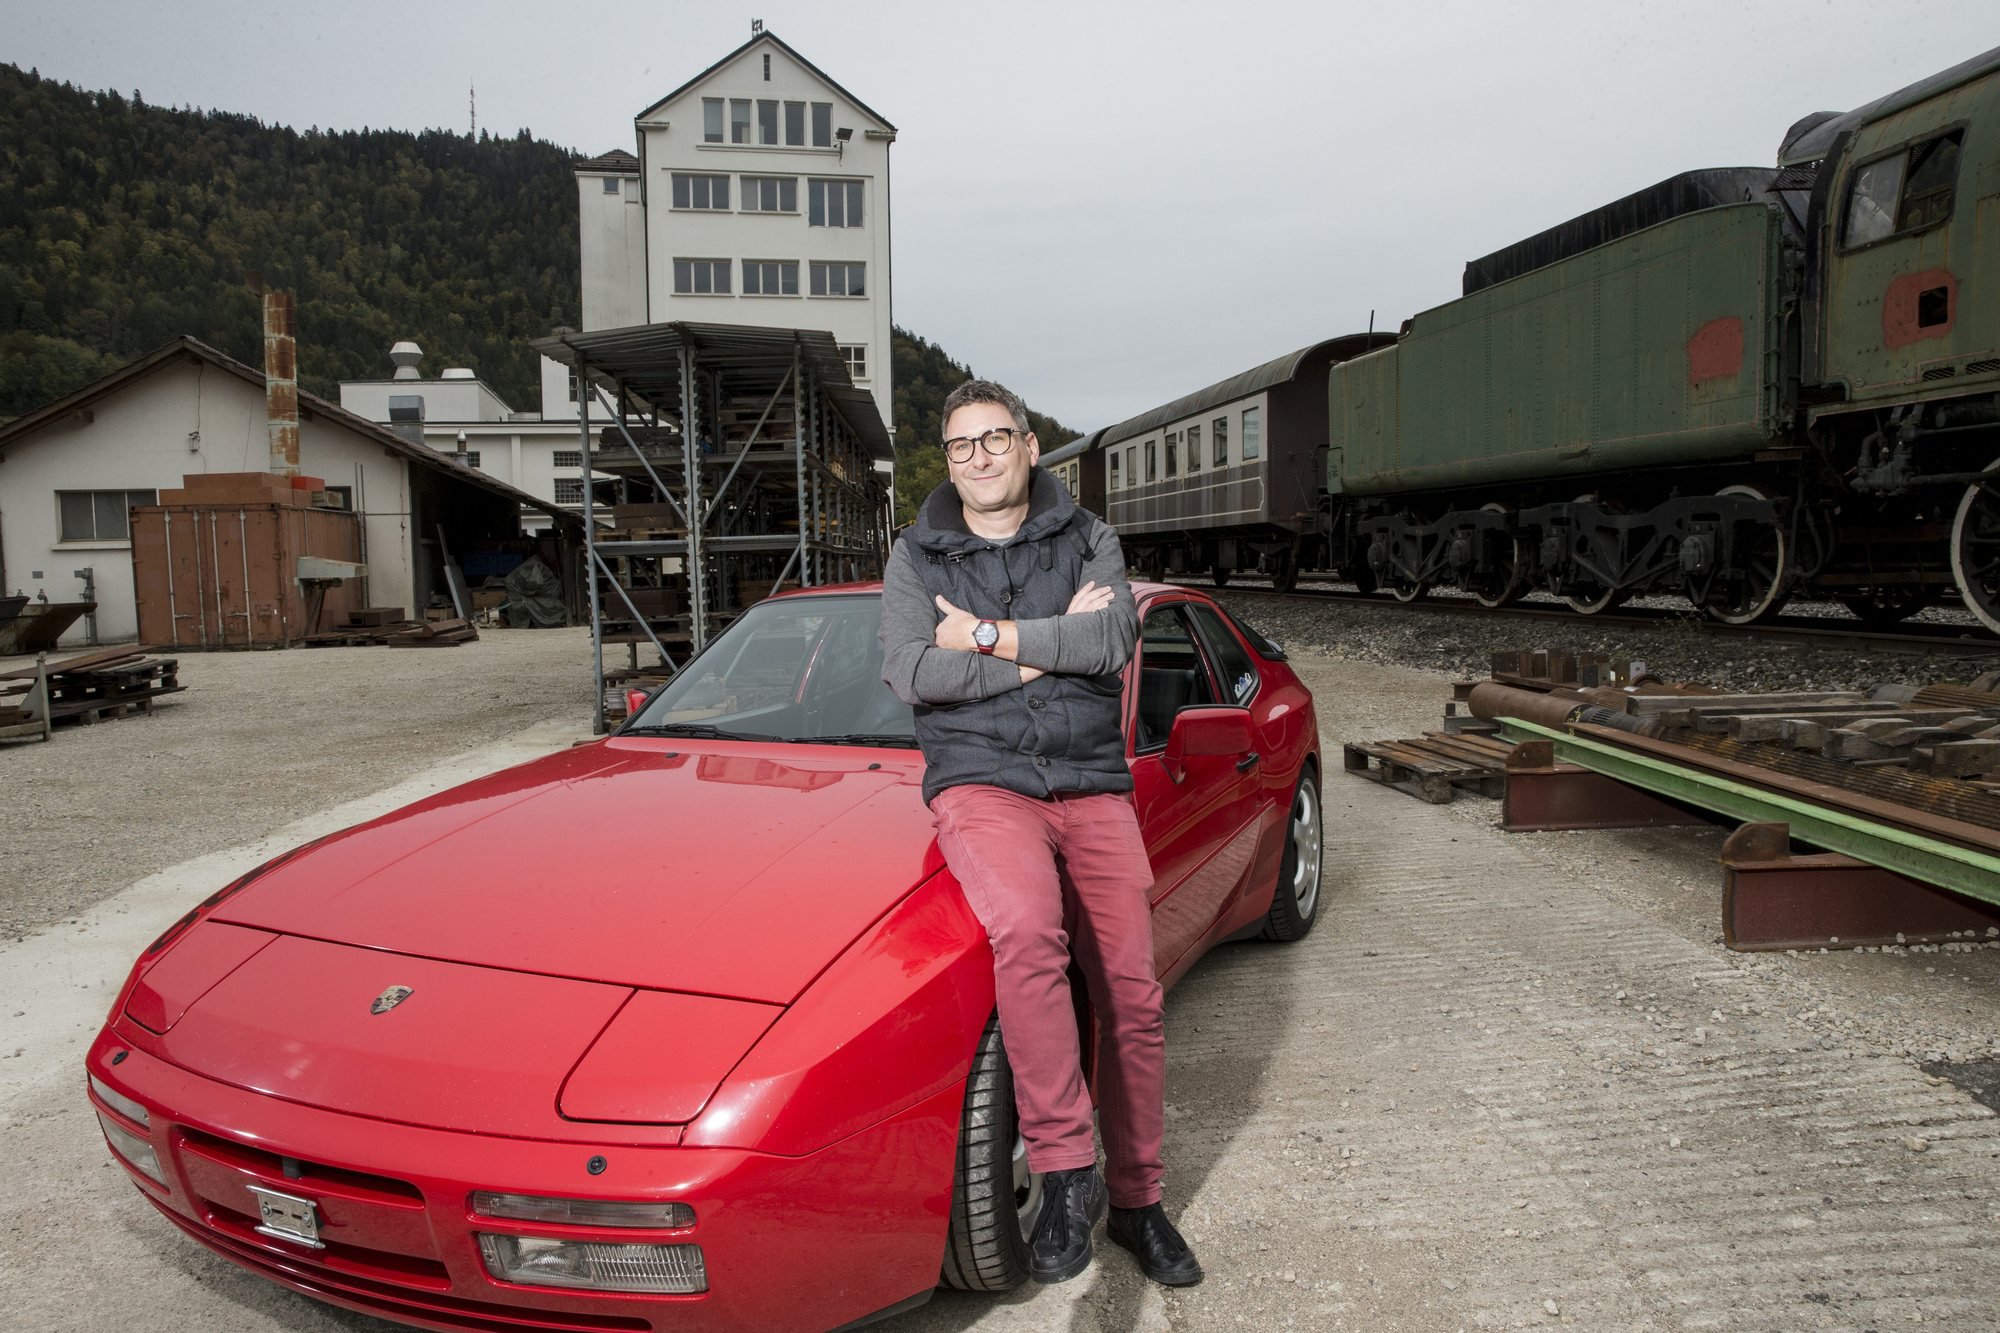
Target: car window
{"points": [[1172, 674], [792, 669], [1234, 671]]}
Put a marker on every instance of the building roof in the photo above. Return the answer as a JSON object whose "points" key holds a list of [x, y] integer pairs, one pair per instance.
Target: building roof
{"points": [[1242, 385], [768, 36], [615, 160], [644, 360], [185, 348]]}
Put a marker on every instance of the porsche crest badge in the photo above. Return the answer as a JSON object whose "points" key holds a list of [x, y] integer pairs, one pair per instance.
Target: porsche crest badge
{"points": [[389, 999]]}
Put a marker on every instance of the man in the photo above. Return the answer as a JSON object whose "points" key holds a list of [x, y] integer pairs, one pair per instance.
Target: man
{"points": [[1006, 620]]}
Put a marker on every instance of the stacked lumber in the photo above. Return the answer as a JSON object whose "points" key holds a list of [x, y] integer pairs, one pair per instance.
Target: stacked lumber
{"points": [[378, 626], [93, 687]]}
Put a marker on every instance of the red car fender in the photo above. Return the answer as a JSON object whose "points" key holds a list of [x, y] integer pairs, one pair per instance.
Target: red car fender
{"points": [[892, 1022]]}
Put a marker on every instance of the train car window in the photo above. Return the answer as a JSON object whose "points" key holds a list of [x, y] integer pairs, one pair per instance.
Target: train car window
{"points": [[1904, 192], [1221, 434], [1252, 440], [1152, 461], [1194, 448], [1173, 453], [1115, 482]]}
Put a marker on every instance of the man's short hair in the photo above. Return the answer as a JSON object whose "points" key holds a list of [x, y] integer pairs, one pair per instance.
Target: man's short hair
{"points": [[986, 391]]}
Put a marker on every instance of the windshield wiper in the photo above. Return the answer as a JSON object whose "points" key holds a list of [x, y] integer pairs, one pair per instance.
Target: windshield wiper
{"points": [[698, 730], [901, 740]]}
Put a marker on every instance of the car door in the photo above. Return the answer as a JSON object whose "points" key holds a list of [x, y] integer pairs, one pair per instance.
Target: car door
{"points": [[1201, 831]]}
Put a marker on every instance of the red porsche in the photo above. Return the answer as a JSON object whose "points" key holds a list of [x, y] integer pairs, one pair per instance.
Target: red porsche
{"points": [[685, 1029]]}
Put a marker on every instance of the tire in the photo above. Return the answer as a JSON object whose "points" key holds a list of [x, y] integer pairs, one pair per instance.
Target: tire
{"points": [[986, 1248], [1295, 901]]}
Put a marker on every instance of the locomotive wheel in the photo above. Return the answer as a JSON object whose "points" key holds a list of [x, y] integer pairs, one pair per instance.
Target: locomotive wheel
{"points": [[1890, 604], [1284, 572], [1590, 599], [1505, 590], [1218, 574], [1975, 549], [1766, 578], [1407, 592]]}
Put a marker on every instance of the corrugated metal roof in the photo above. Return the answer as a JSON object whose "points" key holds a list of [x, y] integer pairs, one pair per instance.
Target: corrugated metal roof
{"points": [[1081, 444], [1254, 380], [645, 359]]}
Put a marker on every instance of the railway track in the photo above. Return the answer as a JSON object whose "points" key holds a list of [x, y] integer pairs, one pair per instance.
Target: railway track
{"points": [[1922, 638]]}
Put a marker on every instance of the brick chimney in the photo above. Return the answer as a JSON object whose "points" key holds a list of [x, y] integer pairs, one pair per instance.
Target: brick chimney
{"points": [[281, 381]]}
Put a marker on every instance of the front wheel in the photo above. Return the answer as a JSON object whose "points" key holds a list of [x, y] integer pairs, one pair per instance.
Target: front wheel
{"points": [[994, 1197], [1295, 903]]}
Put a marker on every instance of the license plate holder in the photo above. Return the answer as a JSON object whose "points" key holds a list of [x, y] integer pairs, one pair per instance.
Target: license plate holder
{"points": [[287, 1217]]}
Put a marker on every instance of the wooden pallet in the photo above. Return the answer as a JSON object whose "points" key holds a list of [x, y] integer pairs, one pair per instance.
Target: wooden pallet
{"points": [[1433, 767]]}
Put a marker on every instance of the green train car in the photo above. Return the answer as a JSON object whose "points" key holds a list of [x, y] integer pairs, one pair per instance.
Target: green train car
{"points": [[1736, 385]]}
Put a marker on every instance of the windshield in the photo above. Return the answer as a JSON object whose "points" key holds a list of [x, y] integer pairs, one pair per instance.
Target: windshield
{"points": [[789, 669]]}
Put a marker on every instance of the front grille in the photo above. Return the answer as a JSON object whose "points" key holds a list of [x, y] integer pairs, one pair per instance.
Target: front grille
{"points": [[384, 1189], [1940, 372], [1982, 367], [404, 1305], [351, 1260]]}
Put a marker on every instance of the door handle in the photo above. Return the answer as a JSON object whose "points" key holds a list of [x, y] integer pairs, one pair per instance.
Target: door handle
{"points": [[1247, 762]]}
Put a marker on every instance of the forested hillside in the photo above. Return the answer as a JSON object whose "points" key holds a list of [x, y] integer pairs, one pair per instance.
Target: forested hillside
{"points": [[123, 225]]}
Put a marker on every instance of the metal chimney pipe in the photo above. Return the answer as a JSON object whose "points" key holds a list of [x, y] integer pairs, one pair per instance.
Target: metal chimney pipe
{"points": [[281, 381]]}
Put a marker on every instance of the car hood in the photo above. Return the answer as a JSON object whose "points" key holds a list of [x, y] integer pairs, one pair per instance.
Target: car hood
{"points": [[704, 867]]}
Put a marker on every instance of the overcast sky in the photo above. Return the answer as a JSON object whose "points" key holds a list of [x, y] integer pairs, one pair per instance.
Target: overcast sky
{"points": [[1105, 206]]}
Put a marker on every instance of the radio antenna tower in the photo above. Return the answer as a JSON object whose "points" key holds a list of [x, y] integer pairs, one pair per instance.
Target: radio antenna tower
{"points": [[472, 101]]}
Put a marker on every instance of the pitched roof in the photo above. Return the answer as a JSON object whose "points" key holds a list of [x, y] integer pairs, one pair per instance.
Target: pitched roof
{"points": [[185, 348], [768, 36], [615, 160]]}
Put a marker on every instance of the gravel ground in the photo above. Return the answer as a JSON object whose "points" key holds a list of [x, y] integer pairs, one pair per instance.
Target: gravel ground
{"points": [[1462, 644], [255, 741]]}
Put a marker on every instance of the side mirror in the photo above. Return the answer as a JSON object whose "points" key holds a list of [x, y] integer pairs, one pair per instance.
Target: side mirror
{"points": [[635, 700], [1205, 731]]}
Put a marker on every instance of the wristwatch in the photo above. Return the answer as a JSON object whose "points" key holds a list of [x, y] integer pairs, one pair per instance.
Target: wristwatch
{"points": [[986, 636]]}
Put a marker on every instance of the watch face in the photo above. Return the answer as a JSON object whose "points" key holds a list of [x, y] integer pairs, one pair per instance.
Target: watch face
{"points": [[986, 634]]}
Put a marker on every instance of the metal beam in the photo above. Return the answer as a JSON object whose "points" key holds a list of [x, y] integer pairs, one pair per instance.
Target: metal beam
{"points": [[1926, 859]]}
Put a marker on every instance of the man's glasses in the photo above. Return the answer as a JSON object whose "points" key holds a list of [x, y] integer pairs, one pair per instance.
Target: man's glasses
{"points": [[995, 442]]}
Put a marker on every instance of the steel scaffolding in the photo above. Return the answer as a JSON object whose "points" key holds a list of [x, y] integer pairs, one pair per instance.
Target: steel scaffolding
{"points": [[736, 462]]}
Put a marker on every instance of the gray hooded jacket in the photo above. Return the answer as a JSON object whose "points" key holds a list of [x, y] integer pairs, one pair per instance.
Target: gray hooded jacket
{"points": [[975, 721]]}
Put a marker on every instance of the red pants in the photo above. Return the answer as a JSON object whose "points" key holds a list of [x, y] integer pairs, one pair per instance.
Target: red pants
{"points": [[1020, 860]]}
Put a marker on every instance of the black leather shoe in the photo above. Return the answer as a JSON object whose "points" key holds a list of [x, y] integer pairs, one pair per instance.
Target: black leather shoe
{"points": [[1072, 1204], [1163, 1255]]}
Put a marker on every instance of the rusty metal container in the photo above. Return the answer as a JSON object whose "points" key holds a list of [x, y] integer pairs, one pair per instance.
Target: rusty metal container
{"points": [[225, 575]]}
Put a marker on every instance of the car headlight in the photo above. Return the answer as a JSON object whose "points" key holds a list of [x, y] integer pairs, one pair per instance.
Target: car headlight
{"points": [[120, 1103], [136, 1152], [582, 1212], [594, 1265]]}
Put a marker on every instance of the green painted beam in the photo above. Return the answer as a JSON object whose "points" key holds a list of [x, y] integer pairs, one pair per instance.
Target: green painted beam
{"points": [[1927, 860]]}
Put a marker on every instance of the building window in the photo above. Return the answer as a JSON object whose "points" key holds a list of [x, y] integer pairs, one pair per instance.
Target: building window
{"points": [[711, 120], [839, 279], [701, 277], [705, 192], [100, 516], [1173, 453], [1194, 448], [1152, 460], [1221, 436], [611, 185], [833, 203], [1250, 433], [856, 357], [822, 124], [1908, 191], [469, 457], [795, 124], [1116, 483], [569, 490], [739, 120], [568, 458], [767, 123], [770, 277], [767, 67], [770, 194]]}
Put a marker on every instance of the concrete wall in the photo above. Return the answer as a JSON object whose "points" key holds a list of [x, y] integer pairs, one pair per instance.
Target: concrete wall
{"points": [[611, 233], [444, 400], [183, 418]]}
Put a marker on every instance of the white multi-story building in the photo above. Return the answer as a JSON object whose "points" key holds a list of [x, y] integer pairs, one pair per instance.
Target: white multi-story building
{"points": [[759, 195]]}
